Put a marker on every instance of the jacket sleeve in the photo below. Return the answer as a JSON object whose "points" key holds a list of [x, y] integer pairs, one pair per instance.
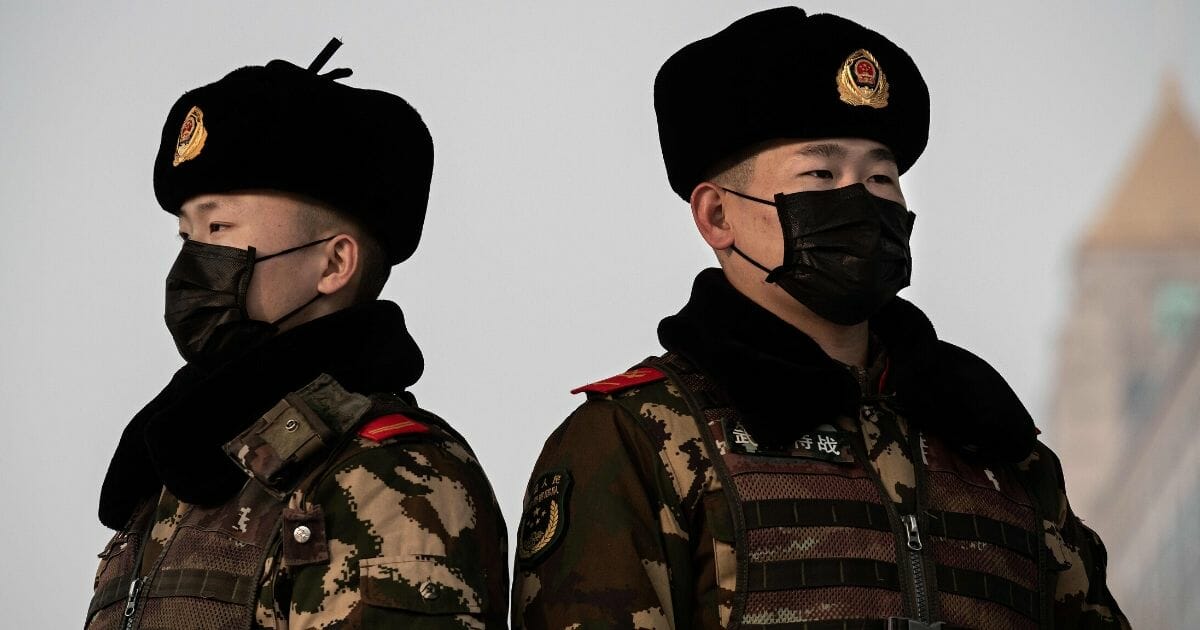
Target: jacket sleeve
{"points": [[1078, 561], [415, 540], [618, 559]]}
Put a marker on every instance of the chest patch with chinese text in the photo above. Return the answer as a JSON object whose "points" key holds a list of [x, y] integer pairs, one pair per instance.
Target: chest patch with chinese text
{"points": [[825, 444]]}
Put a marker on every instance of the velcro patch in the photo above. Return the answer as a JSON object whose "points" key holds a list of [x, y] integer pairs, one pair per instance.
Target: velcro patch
{"points": [[391, 425], [545, 517], [632, 378]]}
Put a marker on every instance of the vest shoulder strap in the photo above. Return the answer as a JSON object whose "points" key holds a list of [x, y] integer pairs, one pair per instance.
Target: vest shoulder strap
{"points": [[657, 403]]}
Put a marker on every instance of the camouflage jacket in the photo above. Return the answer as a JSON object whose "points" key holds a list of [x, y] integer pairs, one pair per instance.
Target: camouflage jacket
{"points": [[347, 511], [630, 521]]}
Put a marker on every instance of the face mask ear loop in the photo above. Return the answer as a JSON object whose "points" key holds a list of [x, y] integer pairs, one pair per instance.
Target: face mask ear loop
{"points": [[303, 306], [745, 196], [293, 249], [770, 274]]}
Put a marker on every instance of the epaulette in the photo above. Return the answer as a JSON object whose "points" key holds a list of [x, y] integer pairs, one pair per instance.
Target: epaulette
{"points": [[632, 378], [390, 425]]}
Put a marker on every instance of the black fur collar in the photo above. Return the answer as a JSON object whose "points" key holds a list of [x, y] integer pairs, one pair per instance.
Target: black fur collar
{"points": [[176, 439], [771, 371]]}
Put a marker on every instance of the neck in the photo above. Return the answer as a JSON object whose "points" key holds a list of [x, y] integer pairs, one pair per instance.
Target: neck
{"points": [[325, 304], [844, 344]]}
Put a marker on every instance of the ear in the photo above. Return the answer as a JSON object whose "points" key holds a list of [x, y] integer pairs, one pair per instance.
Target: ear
{"points": [[709, 213], [341, 264]]}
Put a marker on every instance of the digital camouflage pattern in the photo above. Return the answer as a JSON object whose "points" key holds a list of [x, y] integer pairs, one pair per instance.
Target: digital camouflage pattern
{"points": [[398, 531], [640, 473], [651, 538], [414, 535]]}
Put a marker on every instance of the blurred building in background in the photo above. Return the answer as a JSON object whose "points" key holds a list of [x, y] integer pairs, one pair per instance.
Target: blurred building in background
{"points": [[1127, 401]]}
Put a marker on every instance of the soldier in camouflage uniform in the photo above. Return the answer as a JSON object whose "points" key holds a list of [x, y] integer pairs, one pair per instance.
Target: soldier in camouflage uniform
{"points": [[807, 455], [285, 477]]}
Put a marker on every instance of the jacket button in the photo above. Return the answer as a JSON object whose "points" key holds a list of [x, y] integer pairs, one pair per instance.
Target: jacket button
{"points": [[429, 591], [302, 534]]}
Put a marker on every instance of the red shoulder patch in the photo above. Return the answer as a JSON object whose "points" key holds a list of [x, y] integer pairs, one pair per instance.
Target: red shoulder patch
{"points": [[384, 427], [634, 377]]}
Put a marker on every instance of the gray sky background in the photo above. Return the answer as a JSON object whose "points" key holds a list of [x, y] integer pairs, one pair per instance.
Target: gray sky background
{"points": [[553, 244]]}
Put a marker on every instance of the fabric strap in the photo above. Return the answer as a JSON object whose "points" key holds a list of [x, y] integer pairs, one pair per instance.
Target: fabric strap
{"points": [[833, 513], [796, 574], [205, 583]]}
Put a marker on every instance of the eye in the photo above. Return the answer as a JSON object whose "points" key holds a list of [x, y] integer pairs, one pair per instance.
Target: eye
{"points": [[820, 174], [881, 179], [213, 228]]}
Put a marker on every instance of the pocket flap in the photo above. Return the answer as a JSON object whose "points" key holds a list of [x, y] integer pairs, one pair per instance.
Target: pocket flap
{"points": [[420, 583]]}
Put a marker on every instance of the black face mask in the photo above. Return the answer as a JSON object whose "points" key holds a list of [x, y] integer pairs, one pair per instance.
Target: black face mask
{"points": [[206, 301], [845, 251]]}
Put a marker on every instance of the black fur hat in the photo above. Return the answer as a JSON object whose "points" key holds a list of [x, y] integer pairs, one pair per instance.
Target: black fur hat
{"points": [[366, 153], [785, 74]]}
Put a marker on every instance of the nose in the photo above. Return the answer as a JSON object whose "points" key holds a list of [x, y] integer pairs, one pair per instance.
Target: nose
{"points": [[849, 177]]}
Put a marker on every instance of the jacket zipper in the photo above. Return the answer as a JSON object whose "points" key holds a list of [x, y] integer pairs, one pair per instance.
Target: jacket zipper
{"points": [[135, 586], [912, 530], [916, 565], [134, 601], [131, 603]]}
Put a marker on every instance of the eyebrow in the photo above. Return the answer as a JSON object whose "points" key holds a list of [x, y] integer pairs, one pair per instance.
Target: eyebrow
{"points": [[824, 149], [882, 154], [835, 150], [197, 211]]}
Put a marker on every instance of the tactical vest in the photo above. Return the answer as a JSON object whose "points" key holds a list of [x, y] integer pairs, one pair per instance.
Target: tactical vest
{"points": [[210, 571], [820, 544]]}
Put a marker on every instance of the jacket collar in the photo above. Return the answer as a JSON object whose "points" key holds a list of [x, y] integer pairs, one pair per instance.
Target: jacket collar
{"points": [[175, 440], [784, 384]]}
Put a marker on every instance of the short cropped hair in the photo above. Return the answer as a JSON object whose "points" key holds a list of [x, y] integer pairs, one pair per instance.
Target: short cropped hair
{"points": [[319, 220], [736, 171]]}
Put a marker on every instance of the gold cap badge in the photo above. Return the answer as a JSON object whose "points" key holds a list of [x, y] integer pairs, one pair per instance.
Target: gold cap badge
{"points": [[191, 137], [862, 82]]}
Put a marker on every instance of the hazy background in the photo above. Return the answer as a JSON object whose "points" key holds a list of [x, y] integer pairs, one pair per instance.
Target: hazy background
{"points": [[553, 244]]}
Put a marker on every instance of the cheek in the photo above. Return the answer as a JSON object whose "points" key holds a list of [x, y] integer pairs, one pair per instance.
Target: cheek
{"points": [[256, 303], [760, 235], [270, 289], [767, 224]]}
